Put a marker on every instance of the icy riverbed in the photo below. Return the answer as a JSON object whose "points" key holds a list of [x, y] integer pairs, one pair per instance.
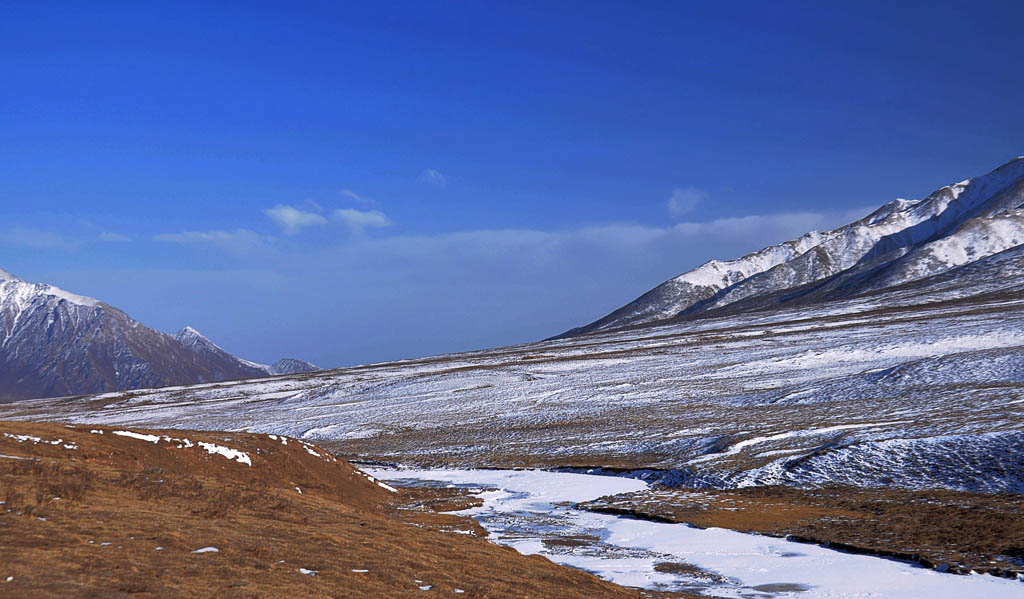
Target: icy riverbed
{"points": [[532, 512]]}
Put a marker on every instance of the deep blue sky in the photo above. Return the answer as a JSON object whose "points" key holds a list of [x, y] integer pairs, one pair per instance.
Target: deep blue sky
{"points": [[504, 170]]}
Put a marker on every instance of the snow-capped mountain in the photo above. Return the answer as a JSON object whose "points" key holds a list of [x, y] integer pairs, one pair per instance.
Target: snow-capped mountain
{"points": [[59, 343], [900, 242]]}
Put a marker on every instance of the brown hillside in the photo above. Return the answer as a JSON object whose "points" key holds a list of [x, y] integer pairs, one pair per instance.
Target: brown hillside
{"points": [[106, 515]]}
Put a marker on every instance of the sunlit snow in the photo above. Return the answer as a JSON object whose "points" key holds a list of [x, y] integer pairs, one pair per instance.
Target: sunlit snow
{"points": [[524, 508]]}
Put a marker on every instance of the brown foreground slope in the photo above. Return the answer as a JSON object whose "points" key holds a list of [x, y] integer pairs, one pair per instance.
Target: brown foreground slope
{"points": [[87, 513]]}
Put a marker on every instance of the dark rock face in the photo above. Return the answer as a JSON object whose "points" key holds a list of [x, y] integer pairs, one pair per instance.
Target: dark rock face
{"points": [[901, 242], [57, 343]]}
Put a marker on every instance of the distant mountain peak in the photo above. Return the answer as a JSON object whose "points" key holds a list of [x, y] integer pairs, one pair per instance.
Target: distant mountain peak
{"points": [[292, 366], [191, 337]]}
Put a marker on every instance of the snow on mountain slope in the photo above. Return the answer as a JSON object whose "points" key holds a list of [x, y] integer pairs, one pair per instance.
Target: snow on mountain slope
{"points": [[195, 340], [899, 242], [59, 343], [675, 295], [974, 239]]}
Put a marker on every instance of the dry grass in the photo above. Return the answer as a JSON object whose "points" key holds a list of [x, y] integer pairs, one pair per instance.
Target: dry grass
{"points": [[131, 514]]}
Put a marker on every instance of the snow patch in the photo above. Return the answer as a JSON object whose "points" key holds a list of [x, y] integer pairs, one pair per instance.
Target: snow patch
{"points": [[380, 484], [141, 437], [37, 440], [231, 454], [737, 447]]}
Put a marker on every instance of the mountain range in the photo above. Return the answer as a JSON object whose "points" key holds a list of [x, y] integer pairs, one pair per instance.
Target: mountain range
{"points": [[57, 343], [900, 242]]}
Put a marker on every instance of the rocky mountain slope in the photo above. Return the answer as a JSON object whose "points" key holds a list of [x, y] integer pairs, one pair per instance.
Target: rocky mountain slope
{"points": [[57, 343], [900, 242]]}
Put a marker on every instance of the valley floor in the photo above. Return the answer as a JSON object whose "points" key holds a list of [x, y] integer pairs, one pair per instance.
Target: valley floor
{"points": [[98, 511]]}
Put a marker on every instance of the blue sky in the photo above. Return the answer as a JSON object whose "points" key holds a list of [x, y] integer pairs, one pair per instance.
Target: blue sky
{"points": [[355, 182]]}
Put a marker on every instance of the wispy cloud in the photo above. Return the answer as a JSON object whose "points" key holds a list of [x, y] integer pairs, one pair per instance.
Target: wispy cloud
{"points": [[292, 220], [356, 197], [684, 199], [38, 239], [434, 177], [239, 241], [358, 221], [113, 237], [722, 238]]}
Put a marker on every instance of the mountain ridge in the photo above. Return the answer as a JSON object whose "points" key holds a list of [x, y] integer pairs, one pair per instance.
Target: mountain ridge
{"points": [[58, 343], [900, 241]]}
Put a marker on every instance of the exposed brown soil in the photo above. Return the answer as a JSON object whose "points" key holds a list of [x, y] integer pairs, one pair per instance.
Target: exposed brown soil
{"points": [[101, 515], [948, 530]]}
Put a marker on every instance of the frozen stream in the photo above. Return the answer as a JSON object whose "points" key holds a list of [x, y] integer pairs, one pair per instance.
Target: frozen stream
{"points": [[532, 512]]}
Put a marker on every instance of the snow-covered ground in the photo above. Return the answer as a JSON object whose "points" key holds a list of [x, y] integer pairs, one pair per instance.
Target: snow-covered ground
{"points": [[523, 509]]}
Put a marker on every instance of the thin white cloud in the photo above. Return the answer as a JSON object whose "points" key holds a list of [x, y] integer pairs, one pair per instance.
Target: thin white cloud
{"points": [[356, 197], [292, 220], [358, 221], [684, 199], [113, 237], [434, 177], [788, 225], [239, 241], [37, 239], [680, 247]]}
